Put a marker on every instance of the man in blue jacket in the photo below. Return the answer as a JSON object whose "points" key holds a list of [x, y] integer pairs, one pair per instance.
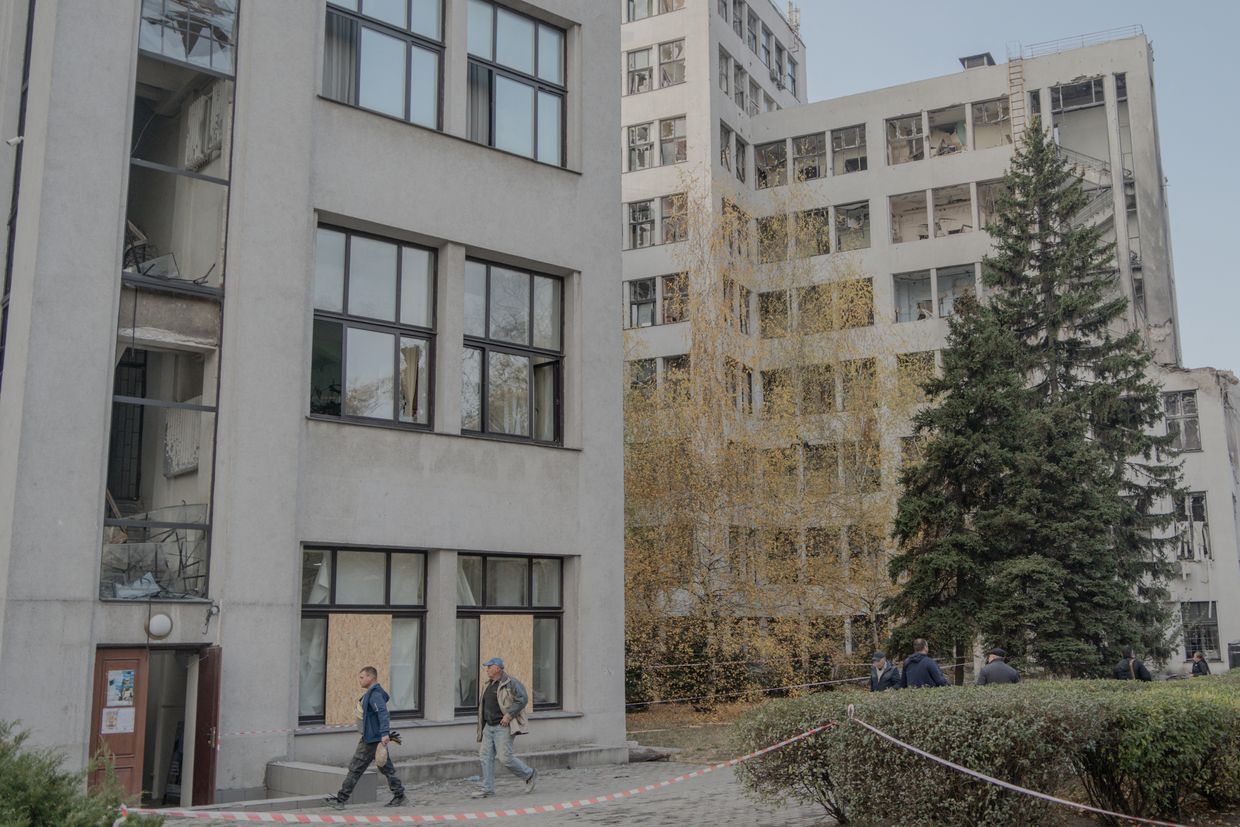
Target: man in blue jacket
{"points": [[375, 727], [920, 669]]}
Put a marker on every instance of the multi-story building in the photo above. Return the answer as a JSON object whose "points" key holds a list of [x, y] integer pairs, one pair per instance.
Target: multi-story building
{"points": [[307, 366], [906, 180]]}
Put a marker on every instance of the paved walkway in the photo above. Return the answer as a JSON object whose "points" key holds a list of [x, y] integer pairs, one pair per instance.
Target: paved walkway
{"points": [[714, 799]]}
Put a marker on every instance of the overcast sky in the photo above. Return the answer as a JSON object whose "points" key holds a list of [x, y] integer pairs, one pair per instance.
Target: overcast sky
{"points": [[855, 47]]}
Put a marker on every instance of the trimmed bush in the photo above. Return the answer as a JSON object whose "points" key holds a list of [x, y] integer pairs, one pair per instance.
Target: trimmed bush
{"points": [[36, 790], [1139, 749]]}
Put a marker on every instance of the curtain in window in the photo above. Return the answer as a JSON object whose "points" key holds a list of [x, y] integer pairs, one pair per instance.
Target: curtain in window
{"points": [[313, 670], [340, 59]]}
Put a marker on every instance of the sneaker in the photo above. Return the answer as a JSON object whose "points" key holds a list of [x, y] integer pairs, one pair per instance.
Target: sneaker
{"points": [[335, 802], [398, 800], [481, 794], [531, 781]]}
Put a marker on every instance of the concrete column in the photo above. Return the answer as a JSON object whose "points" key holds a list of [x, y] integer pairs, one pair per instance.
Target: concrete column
{"points": [[456, 70], [449, 333], [439, 684]]}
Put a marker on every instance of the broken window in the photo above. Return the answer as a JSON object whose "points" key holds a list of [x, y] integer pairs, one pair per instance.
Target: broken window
{"points": [[953, 210], [675, 298], [157, 510], [776, 384], [1035, 104], [773, 238], [848, 150], [991, 124], [858, 383], [1182, 424], [643, 374], [676, 371], [818, 389], [822, 474], [813, 232], [641, 146], [755, 98], [740, 82], [1201, 629], [905, 139], [641, 303], [809, 157], [861, 466], [914, 296], [908, 217], [675, 217], [1077, 95], [852, 226], [913, 370], [773, 315], [673, 146], [742, 158], [725, 147], [854, 303], [671, 63], [955, 283], [948, 130], [1192, 527], [725, 71], [737, 297], [641, 74], [770, 165], [641, 224], [988, 194], [197, 32]]}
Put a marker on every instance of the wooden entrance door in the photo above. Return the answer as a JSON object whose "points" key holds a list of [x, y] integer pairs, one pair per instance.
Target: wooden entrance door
{"points": [[207, 725], [118, 715]]}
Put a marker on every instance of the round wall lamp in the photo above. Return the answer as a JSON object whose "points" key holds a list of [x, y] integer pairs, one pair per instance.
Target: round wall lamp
{"points": [[158, 626]]}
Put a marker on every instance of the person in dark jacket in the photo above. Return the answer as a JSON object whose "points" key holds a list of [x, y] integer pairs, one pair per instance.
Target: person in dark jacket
{"points": [[883, 673], [375, 728], [1131, 668], [1200, 667], [920, 669], [996, 669]]}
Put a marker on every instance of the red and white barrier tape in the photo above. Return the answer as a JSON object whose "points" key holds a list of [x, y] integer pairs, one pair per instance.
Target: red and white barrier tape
{"points": [[311, 818], [1004, 784]]}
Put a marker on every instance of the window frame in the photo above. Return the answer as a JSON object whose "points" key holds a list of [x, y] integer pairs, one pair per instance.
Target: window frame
{"points": [[682, 60], [1201, 630], [401, 610], [486, 345], [629, 71], [395, 327], [1180, 397]]}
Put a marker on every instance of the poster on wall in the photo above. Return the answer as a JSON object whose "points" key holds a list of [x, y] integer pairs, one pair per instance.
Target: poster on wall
{"points": [[116, 720], [120, 687]]}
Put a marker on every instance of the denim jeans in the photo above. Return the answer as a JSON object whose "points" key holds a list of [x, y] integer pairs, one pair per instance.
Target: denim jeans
{"points": [[362, 756], [497, 740]]}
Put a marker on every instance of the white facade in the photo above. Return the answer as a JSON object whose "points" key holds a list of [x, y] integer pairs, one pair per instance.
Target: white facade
{"points": [[905, 173], [278, 423]]}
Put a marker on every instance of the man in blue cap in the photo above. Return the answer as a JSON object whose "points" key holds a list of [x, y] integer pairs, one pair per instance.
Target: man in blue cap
{"points": [[501, 717]]}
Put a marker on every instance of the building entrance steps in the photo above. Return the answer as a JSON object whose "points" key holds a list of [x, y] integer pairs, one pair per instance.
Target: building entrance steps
{"points": [[298, 778]]}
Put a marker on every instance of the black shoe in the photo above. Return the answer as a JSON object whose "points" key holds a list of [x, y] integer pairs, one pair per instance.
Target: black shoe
{"points": [[335, 802], [398, 800]]}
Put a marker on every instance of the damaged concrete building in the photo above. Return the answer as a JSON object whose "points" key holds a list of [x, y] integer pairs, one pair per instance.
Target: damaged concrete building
{"points": [[906, 179]]}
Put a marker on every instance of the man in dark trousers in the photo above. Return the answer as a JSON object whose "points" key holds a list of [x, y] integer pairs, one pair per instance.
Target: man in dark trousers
{"points": [[920, 669], [375, 728], [996, 669], [883, 673], [1131, 668], [1200, 667]]}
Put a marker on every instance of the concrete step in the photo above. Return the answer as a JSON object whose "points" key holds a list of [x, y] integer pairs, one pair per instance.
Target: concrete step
{"points": [[298, 779]]}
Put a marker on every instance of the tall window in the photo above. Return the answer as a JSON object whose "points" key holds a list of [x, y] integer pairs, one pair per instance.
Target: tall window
{"points": [[675, 298], [725, 146], [639, 10], [516, 83], [809, 157], [751, 33], [725, 70], [1193, 526], [1182, 425], [1201, 629], [504, 591], [511, 375], [387, 57], [340, 581], [742, 158], [640, 224], [738, 17], [640, 71], [641, 302], [374, 324], [671, 63], [791, 81], [675, 217], [641, 146], [755, 98], [764, 53], [740, 81], [673, 145], [770, 163]]}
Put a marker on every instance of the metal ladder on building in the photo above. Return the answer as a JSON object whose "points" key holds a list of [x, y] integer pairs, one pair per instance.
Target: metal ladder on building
{"points": [[1016, 97]]}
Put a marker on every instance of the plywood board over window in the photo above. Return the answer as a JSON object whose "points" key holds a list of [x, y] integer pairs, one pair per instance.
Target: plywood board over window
{"points": [[354, 641], [510, 637]]}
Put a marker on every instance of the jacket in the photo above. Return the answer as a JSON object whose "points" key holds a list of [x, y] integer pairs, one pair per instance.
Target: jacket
{"points": [[1128, 668], [375, 721], [889, 678], [921, 670], [512, 698], [1200, 667], [997, 672]]}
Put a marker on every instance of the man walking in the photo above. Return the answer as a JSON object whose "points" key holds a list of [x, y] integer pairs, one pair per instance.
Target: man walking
{"points": [[920, 669], [375, 728], [883, 673], [501, 717], [1131, 668], [996, 669]]}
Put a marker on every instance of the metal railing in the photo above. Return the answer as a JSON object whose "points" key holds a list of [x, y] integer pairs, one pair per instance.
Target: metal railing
{"points": [[1080, 41]]}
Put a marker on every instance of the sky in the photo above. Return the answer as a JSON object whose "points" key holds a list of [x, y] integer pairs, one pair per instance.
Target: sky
{"points": [[856, 47]]}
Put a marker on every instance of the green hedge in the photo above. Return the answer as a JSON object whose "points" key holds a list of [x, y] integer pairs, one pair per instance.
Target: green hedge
{"points": [[35, 789], [1141, 749]]}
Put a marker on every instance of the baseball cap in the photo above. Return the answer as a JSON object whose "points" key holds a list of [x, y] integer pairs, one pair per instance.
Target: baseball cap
{"points": [[495, 662], [879, 655]]}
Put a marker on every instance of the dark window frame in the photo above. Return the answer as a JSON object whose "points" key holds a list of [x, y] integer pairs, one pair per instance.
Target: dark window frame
{"points": [[325, 610], [398, 329], [486, 345]]}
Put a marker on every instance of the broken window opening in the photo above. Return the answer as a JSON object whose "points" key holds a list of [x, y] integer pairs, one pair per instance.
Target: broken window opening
{"points": [[725, 146], [914, 296], [773, 239], [773, 316], [1201, 629], [991, 124], [641, 302], [813, 232], [641, 73], [954, 283], [953, 210], [641, 146], [673, 145], [948, 130], [725, 71], [818, 389], [742, 159], [905, 139], [675, 298], [755, 98], [641, 224], [988, 194], [1192, 527], [1077, 95], [848, 150], [909, 217], [675, 217], [852, 226], [1182, 424], [197, 32], [770, 165], [809, 157], [740, 82], [671, 63]]}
